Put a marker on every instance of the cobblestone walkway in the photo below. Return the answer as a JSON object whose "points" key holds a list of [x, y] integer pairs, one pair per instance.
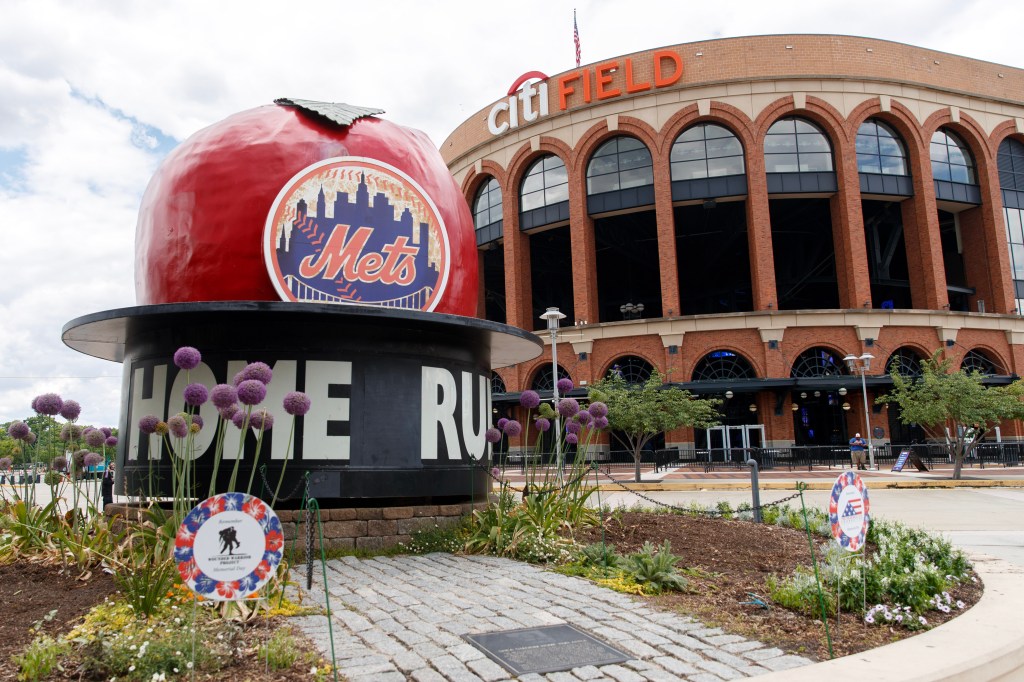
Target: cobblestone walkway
{"points": [[402, 618]]}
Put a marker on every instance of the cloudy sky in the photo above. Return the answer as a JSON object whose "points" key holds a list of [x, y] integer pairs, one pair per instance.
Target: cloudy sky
{"points": [[93, 94]]}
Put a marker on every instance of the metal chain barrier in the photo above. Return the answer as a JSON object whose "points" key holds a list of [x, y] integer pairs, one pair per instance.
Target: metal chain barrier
{"points": [[281, 498], [686, 510]]}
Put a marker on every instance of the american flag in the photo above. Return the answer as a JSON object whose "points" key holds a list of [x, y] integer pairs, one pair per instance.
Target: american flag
{"points": [[853, 508], [576, 37]]}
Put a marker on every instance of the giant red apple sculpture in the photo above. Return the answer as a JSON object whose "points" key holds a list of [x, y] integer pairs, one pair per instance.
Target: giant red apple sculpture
{"points": [[284, 202]]}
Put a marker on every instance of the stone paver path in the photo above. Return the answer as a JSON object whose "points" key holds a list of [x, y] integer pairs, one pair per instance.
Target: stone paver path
{"points": [[402, 618]]}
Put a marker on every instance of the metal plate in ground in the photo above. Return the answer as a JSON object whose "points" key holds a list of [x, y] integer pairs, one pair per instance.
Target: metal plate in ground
{"points": [[545, 649]]}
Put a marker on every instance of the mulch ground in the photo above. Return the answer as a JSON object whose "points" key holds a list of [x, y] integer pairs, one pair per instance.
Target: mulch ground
{"points": [[734, 559]]}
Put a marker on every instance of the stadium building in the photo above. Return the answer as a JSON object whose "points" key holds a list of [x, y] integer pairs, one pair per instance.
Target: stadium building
{"points": [[743, 214]]}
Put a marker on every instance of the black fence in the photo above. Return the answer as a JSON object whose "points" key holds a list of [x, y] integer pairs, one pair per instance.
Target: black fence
{"points": [[791, 458]]}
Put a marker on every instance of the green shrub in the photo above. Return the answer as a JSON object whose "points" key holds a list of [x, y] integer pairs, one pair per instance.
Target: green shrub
{"points": [[655, 568], [448, 539], [600, 555], [280, 651], [724, 509], [39, 659]]}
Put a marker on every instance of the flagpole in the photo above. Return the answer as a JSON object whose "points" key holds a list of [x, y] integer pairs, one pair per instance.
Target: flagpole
{"points": [[576, 37]]}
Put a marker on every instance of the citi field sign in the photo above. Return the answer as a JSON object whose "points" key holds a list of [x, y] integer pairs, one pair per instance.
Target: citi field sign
{"points": [[357, 230], [585, 86]]}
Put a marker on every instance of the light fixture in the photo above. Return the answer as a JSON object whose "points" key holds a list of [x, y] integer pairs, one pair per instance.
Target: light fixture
{"points": [[728, 395], [846, 407], [817, 394], [842, 390], [795, 407], [753, 407], [630, 311], [553, 316], [861, 365], [803, 395]]}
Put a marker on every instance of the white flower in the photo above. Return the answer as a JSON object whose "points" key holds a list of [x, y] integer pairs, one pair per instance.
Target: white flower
{"points": [[959, 604], [131, 668], [158, 677], [188, 665]]}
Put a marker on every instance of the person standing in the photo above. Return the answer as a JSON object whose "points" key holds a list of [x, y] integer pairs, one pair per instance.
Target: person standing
{"points": [[107, 485], [857, 445]]}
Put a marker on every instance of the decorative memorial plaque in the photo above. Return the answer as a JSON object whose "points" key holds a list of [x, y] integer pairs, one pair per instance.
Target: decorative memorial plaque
{"points": [[545, 649]]}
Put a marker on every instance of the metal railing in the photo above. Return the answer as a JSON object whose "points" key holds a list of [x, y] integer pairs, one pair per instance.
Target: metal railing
{"points": [[791, 458]]}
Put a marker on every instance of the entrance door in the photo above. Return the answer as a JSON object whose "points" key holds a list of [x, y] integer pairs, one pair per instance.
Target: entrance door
{"points": [[729, 443]]}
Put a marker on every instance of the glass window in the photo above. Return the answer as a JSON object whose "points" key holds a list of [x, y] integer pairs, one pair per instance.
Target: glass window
{"points": [[721, 365], [794, 145], [546, 182], [817, 362], [1015, 238], [880, 150], [1011, 165], [619, 163], [487, 206], [706, 150], [951, 159]]}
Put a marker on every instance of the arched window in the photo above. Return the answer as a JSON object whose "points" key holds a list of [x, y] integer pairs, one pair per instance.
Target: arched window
{"points": [[951, 159], [904, 360], [722, 365], [487, 205], [545, 183], [977, 361], [620, 163], [542, 379], [794, 145], [633, 369], [706, 150], [497, 383], [880, 150], [817, 362]]}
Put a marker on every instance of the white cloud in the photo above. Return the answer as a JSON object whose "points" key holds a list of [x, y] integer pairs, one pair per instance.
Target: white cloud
{"points": [[92, 94]]}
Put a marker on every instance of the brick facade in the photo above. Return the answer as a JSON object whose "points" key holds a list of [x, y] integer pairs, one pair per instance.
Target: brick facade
{"points": [[746, 85]]}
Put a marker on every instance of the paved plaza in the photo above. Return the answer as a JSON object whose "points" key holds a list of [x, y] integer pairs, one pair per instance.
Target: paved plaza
{"points": [[399, 618]]}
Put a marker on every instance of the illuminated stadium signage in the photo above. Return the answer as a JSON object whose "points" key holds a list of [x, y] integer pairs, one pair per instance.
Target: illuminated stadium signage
{"points": [[528, 97]]}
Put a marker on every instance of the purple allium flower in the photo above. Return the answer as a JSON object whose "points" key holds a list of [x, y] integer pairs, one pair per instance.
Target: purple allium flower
{"points": [[70, 410], [255, 371], [30, 438], [501, 423], [296, 403], [223, 395], [177, 426], [226, 413], [94, 439], [583, 417], [529, 399], [492, 435], [568, 407], [161, 429], [48, 403], [565, 385], [261, 419], [195, 428], [34, 401], [6, 462], [571, 439], [598, 409], [148, 424], [542, 424], [196, 394], [107, 431], [238, 418], [600, 423], [251, 392], [198, 421], [495, 472], [18, 430], [111, 441], [572, 427], [92, 459], [78, 459], [59, 464], [187, 357], [70, 432], [513, 428]]}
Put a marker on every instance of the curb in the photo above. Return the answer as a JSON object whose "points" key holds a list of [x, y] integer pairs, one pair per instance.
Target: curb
{"points": [[985, 643], [790, 485]]}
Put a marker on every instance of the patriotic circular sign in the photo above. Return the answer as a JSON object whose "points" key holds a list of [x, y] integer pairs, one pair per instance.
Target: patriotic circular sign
{"points": [[848, 511], [228, 546]]}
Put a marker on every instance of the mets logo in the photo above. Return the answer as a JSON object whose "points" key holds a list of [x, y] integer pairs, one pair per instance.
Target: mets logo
{"points": [[356, 230]]}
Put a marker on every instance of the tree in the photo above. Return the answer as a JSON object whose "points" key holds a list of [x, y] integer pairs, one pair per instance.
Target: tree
{"points": [[638, 412], [953, 406]]}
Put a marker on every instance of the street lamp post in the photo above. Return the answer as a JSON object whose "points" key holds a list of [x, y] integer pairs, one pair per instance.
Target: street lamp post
{"points": [[861, 365], [553, 316]]}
